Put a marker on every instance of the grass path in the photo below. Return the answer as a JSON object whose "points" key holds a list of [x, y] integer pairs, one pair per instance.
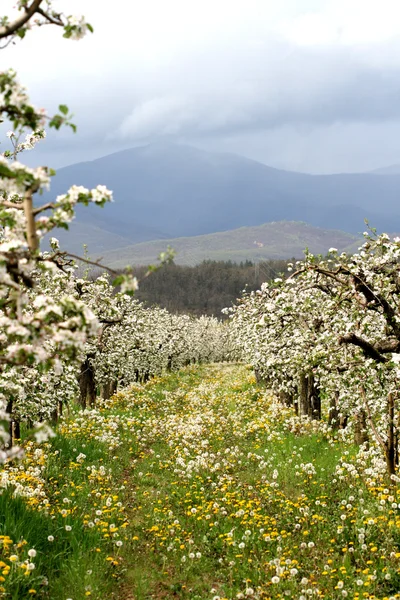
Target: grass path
{"points": [[197, 486], [228, 502]]}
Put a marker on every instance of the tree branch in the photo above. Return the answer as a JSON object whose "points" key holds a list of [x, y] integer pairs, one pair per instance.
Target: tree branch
{"points": [[51, 19], [40, 209], [11, 28], [11, 205], [89, 262], [391, 345], [112, 321], [369, 350]]}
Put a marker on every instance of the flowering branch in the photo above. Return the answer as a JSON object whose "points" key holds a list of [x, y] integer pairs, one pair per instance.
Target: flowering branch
{"points": [[11, 28]]}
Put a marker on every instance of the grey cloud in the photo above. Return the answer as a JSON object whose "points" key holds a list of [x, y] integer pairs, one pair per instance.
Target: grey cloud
{"points": [[316, 108], [266, 87], [336, 148]]}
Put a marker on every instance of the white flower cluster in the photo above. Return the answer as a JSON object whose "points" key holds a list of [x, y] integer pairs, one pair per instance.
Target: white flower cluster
{"points": [[77, 26]]}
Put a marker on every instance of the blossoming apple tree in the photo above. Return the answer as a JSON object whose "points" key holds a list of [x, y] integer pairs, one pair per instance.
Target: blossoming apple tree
{"points": [[36, 328], [331, 331]]}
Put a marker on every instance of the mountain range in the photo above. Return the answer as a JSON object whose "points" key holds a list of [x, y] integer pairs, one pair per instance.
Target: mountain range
{"points": [[167, 191]]}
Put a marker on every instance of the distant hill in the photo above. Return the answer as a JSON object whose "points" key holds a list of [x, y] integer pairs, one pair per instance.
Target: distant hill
{"points": [[391, 170], [165, 191], [269, 241]]}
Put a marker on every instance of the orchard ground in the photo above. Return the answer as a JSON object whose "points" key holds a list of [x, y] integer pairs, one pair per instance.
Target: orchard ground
{"points": [[197, 485]]}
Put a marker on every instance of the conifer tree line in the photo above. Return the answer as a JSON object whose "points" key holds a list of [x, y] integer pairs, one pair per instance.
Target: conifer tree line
{"points": [[206, 288]]}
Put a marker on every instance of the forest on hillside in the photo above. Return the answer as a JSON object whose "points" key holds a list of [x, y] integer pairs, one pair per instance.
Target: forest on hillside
{"points": [[204, 289]]}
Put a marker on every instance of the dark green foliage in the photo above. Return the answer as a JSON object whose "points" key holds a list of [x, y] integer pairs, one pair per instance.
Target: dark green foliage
{"points": [[207, 288]]}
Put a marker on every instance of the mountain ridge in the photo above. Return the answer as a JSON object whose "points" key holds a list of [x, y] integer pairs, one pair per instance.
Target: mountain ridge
{"points": [[389, 170], [168, 191]]}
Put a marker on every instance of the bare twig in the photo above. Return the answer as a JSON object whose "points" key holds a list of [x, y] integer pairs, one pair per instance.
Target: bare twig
{"points": [[40, 209], [55, 19], [89, 262]]}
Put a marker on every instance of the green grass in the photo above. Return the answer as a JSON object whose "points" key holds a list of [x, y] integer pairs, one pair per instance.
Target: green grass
{"points": [[61, 566]]}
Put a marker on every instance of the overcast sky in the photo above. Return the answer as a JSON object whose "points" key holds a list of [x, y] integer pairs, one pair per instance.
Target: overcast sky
{"points": [[307, 85]]}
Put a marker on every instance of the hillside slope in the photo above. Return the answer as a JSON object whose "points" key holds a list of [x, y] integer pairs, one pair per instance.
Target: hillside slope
{"points": [[390, 170], [284, 239]]}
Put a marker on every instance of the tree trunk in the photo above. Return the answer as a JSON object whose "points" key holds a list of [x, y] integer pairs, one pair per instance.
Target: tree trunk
{"points": [[391, 449], [87, 383], [105, 391], [286, 398], [17, 430], [30, 222], [108, 389], [9, 408], [257, 375], [296, 400], [303, 396], [333, 417], [314, 399], [360, 428]]}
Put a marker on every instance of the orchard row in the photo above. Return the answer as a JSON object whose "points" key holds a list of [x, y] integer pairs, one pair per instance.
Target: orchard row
{"points": [[328, 339]]}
